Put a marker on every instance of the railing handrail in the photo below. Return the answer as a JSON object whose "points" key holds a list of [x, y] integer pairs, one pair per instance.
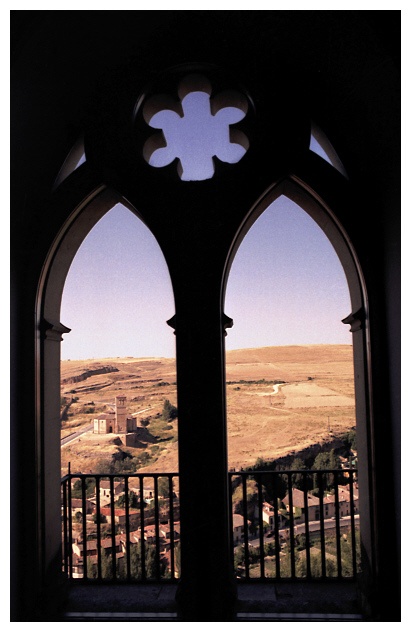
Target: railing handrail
{"points": [[340, 478], [282, 479], [66, 484], [289, 471]]}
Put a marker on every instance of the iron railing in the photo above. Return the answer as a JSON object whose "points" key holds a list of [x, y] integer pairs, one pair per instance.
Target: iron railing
{"points": [[105, 542], [313, 535], [285, 525]]}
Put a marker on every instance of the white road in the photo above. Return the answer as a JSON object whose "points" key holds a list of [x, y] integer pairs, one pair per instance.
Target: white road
{"points": [[75, 435]]}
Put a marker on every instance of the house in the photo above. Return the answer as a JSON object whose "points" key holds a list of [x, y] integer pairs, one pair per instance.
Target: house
{"points": [[148, 489], [268, 515], [165, 532], [77, 506], [105, 491], [313, 503], [344, 500], [91, 547], [238, 528], [119, 515]]}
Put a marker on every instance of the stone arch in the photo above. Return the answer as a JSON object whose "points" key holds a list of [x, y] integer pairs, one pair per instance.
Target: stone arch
{"points": [[79, 209], [300, 192]]}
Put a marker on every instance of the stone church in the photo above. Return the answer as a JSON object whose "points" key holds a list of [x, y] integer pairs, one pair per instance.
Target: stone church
{"points": [[115, 422]]}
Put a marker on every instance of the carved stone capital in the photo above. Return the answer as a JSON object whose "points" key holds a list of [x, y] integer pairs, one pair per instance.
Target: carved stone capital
{"points": [[172, 323], [227, 323], [356, 320], [53, 330]]}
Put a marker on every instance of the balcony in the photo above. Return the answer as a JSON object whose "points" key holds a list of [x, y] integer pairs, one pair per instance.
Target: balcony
{"points": [[292, 531], [296, 525], [128, 515]]}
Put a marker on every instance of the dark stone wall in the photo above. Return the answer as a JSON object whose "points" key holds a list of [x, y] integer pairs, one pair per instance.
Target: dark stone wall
{"points": [[339, 67]]}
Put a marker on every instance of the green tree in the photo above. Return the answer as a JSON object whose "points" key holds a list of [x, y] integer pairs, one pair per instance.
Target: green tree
{"points": [[298, 479], [269, 548], [239, 557], [273, 487], [350, 439], [91, 569], [76, 491], [106, 565], [132, 501], [163, 487], [169, 411], [325, 461], [95, 518], [149, 561]]}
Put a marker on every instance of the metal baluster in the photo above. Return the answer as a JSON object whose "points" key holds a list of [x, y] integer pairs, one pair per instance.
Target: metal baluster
{"points": [[230, 518], [70, 526], [127, 509], [276, 527], [246, 559], [260, 524], [65, 534], [307, 527], [83, 503], [171, 517], [98, 516], [113, 528], [337, 525], [143, 556], [292, 551], [156, 525], [352, 511], [322, 531]]}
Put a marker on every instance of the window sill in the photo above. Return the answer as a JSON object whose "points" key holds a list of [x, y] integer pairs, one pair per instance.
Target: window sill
{"points": [[256, 602]]}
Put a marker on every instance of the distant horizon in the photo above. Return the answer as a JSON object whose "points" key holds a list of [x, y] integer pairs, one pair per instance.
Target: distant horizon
{"points": [[318, 344]]}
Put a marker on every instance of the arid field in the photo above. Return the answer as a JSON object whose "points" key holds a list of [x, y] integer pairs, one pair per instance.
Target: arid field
{"points": [[313, 397]]}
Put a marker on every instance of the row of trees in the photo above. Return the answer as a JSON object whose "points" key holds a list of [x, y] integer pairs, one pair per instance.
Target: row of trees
{"points": [[277, 486], [301, 558], [136, 564]]}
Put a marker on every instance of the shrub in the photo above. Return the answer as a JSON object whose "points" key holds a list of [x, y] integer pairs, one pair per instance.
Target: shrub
{"points": [[169, 411]]}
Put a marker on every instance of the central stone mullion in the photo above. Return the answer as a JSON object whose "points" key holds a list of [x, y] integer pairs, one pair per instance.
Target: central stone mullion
{"points": [[207, 586]]}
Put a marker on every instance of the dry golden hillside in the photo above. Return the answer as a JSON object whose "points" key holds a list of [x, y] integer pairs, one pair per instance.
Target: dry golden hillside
{"points": [[263, 419]]}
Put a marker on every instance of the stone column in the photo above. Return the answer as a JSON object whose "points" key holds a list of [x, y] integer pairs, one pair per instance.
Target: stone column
{"points": [[207, 589]]}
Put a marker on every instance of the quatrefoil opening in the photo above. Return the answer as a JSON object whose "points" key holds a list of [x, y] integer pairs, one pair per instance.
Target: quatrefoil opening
{"points": [[195, 128]]}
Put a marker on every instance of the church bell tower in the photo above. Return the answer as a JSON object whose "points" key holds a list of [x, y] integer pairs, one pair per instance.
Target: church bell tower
{"points": [[121, 415]]}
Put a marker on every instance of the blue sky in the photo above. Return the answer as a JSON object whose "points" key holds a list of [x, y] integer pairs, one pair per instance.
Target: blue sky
{"points": [[118, 296], [286, 286]]}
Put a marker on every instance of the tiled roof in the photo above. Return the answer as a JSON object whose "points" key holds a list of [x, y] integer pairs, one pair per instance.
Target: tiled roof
{"points": [[106, 484], [106, 511], [238, 521], [298, 499], [105, 543]]}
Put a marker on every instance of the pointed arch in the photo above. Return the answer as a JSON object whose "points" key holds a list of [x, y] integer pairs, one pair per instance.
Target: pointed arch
{"points": [[78, 210], [299, 191]]}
